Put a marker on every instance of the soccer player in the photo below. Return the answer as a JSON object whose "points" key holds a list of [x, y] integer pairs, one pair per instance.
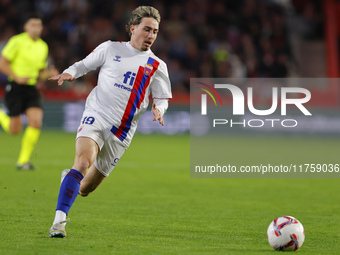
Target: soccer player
{"points": [[129, 72], [23, 60]]}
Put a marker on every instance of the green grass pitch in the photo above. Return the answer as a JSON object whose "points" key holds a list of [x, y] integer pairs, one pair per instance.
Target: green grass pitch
{"points": [[150, 205]]}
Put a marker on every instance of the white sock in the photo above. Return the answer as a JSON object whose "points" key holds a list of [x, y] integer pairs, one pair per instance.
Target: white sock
{"points": [[59, 216]]}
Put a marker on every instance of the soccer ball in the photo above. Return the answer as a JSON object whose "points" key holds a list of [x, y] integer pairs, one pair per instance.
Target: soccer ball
{"points": [[285, 234]]}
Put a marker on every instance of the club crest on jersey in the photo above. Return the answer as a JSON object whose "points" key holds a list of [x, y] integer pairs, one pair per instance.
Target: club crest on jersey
{"points": [[147, 70]]}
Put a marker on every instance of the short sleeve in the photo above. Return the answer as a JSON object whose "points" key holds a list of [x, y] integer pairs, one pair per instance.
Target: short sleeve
{"points": [[10, 49], [161, 86]]}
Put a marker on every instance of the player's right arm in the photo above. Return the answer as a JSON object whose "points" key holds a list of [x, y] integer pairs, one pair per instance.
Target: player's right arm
{"points": [[8, 54], [5, 68], [94, 60]]}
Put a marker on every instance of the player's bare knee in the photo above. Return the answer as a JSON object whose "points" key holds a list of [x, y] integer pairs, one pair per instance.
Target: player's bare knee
{"points": [[81, 167], [35, 124], [82, 164]]}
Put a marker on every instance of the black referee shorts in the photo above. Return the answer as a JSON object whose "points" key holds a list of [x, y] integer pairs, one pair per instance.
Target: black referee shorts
{"points": [[19, 98]]}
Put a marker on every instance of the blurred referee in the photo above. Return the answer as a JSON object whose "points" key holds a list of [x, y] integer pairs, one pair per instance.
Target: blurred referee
{"points": [[24, 60]]}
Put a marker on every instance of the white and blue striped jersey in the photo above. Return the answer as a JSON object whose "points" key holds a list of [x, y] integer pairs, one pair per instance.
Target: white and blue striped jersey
{"points": [[126, 78]]}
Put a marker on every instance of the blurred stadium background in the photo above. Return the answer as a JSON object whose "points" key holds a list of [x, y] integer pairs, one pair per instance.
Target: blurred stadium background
{"points": [[198, 38]]}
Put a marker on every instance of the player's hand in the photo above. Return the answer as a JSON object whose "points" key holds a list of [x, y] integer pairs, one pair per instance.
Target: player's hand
{"points": [[21, 80], [61, 78], [158, 115]]}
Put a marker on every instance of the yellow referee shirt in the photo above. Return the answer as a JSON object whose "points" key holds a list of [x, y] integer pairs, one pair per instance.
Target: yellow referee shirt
{"points": [[27, 57]]}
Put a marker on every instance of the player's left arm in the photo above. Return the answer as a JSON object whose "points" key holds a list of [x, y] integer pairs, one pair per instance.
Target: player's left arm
{"points": [[161, 93]]}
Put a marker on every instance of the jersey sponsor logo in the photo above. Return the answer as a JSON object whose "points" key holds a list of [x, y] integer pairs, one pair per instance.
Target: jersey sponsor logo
{"points": [[117, 58], [129, 78], [122, 87]]}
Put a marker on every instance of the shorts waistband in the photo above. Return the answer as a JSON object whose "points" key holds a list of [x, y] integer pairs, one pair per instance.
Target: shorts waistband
{"points": [[13, 83]]}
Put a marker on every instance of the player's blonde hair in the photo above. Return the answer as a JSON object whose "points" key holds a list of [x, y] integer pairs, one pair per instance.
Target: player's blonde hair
{"points": [[142, 12]]}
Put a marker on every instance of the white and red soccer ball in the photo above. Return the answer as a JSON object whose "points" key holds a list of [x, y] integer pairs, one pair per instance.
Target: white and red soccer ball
{"points": [[285, 234]]}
